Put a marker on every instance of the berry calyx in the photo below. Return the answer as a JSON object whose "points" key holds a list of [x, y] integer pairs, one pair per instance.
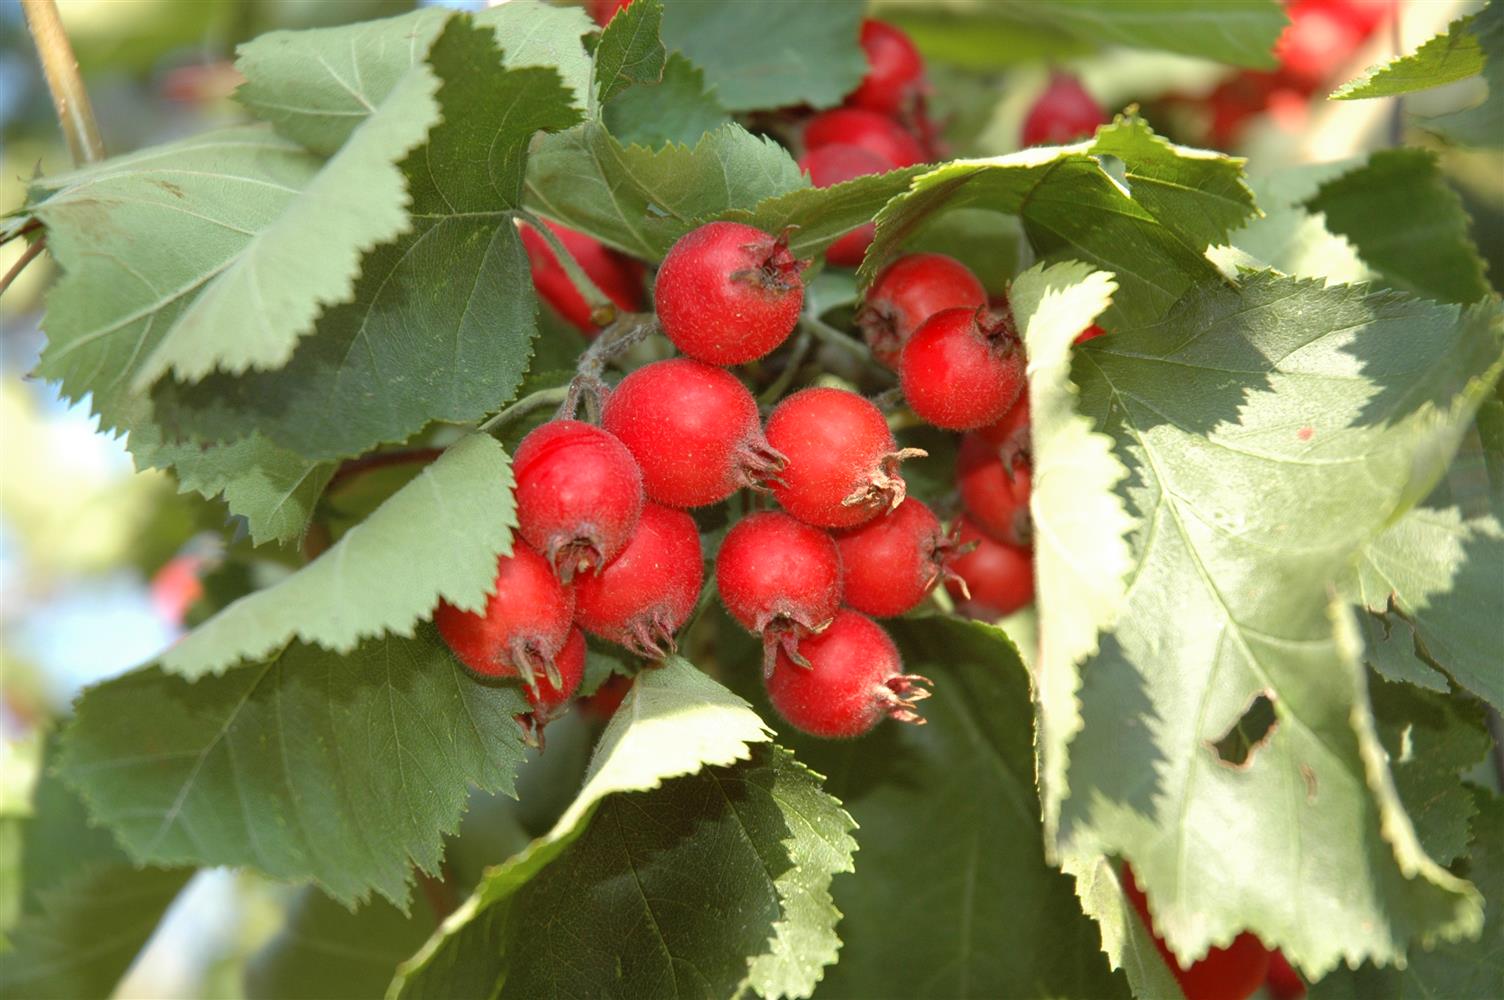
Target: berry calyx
{"points": [[728, 293], [991, 579], [878, 134], [779, 579], [1011, 436], [643, 595], [842, 461], [834, 164], [894, 560], [963, 368], [1064, 112], [1232, 973], [996, 496], [550, 699], [909, 291], [579, 495], [522, 630], [694, 430], [895, 71], [619, 277], [854, 679]]}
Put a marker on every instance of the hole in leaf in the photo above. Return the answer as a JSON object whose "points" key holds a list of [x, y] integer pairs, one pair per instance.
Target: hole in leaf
{"points": [[1248, 734]]}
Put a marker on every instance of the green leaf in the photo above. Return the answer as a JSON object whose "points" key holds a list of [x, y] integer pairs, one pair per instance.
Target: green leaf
{"points": [[1469, 969], [1407, 223], [310, 765], [1445, 58], [679, 108], [820, 216], [443, 319], [325, 952], [1127, 944], [765, 54], [436, 538], [1432, 740], [317, 86], [951, 875], [1289, 238], [1149, 227], [305, 258], [675, 721], [1332, 412], [629, 51], [1483, 125], [1081, 555], [1241, 32], [641, 200], [981, 37]]}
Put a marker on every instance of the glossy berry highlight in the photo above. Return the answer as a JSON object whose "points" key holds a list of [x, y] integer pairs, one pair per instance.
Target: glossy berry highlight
{"points": [[841, 460], [780, 579], [523, 627], [579, 495], [991, 579], [963, 368], [693, 429], [909, 291], [854, 679], [728, 293], [878, 134], [996, 496], [890, 563], [643, 595], [1063, 113]]}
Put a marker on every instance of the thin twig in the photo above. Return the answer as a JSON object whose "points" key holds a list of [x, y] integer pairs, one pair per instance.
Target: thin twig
{"points": [[627, 331], [790, 369], [602, 310], [20, 265], [527, 404], [74, 112], [29, 226], [828, 334], [381, 460]]}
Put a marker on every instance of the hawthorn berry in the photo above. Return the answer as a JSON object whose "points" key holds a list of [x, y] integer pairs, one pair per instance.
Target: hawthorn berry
{"points": [[1283, 982], [842, 461], [853, 679], [728, 293], [991, 578], [618, 276], [694, 430], [1232, 973], [579, 495], [780, 579], [524, 626], [1064, 112], [963, 368], [892, 561], [895, 71], [604, 10], [607, 698], [909, 291], [1010, 435], [643, 595], [834, 164], [996, 496], [878, 134], [550, 700], [1090, 333]]}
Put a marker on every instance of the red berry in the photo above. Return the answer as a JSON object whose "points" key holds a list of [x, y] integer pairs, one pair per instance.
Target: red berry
{"points": [[834, 164], [909, 291], [728, 293], [1064, 113], [1319, 39], [779, 578], [1010, 435], [854, 678], [963, 368], [842, 460], [604, 10], [878, 134], [992, 579], [895, 71], [1232, 973], [996, 496], [524, 626], [1283, 982], [618, 276], [893, 560], [607, 698], [694, 430], [643, 595], [550, 700], [579, 495], [1090, 333]]}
